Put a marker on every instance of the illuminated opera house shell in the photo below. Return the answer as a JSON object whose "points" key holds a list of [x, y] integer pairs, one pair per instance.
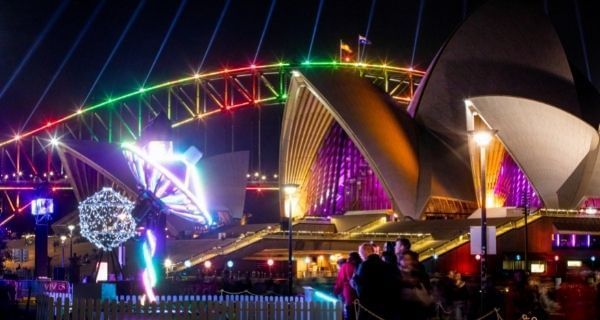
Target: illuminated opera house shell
{"points": [[350, 147]]}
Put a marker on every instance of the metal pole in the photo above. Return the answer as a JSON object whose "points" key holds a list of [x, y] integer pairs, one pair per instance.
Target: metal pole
{"points": [[482, 164], [526, 211], [290, 271], [71, 247], [63, 255]]}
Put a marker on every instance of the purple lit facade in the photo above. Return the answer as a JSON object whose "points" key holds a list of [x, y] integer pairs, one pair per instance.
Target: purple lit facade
{"points": [[512, 183], [341, 179]]}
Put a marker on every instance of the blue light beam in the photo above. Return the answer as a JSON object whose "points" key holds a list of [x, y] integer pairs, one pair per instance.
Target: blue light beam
{"points": [[362, 53], [33, 48], [417, 32], [165, 39], [214, 34], [115, 48], [264, 31], [312, 39], [65, 60]]}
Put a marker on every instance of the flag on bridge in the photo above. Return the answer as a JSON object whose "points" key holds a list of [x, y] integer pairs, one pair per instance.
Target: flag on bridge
{"points": [[345, 52], [363, 40], [345, 47]]}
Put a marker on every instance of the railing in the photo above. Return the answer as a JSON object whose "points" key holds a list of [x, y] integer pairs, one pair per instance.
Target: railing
{"points": [[239, 243], [367, 236], [465, 237], [205, 307]]}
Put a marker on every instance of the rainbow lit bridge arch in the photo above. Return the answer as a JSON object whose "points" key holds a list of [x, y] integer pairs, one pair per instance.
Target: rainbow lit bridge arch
{"points": [[188, 100]]}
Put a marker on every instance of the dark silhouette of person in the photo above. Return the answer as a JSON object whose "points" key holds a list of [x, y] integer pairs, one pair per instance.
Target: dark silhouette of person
{"points": [[376, 285]]}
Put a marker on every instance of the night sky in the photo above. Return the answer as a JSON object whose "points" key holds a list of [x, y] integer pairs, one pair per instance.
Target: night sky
{"points": [[288, 37], [392, 32]]}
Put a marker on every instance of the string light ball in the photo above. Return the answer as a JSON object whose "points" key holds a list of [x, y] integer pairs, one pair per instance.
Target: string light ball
{"points": [[105, 219]]}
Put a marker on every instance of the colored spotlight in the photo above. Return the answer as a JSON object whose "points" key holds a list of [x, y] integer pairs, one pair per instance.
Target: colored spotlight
{"points": [[54, 141]]}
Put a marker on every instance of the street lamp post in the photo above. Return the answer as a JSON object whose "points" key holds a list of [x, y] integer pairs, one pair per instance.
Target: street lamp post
{"points": [[482, 139], [63, 238], [71, 228], [290, 190]]}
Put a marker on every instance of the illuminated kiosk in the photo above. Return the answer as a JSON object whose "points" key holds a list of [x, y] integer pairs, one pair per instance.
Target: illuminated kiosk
{"points": [[42, 209]]}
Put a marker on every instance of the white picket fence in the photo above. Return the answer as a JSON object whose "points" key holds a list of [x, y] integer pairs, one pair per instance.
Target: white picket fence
{"points": [[189, 307], [173, 298]]}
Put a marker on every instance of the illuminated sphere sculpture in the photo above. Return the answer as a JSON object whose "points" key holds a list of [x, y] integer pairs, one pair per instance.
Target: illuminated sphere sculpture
{"points": [[105, 219]]}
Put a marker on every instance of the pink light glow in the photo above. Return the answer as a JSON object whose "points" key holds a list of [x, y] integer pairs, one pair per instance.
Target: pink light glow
{"points": [[572, 240]]}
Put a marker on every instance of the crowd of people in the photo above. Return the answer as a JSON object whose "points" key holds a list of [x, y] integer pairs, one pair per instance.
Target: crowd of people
{"points": [[394, 285]]}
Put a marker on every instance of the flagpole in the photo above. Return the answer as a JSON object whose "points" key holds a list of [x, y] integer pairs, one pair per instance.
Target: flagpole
{"points": [[358, 53]]}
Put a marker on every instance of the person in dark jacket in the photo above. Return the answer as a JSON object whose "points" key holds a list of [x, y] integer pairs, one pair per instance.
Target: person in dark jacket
{"points": [[376, 286]]}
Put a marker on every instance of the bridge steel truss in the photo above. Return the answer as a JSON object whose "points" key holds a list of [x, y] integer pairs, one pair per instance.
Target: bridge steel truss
{"points": [[27, 158]]}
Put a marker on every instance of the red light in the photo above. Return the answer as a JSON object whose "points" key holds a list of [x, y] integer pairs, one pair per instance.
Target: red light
{"points": [[48, 124], [556, 258], [477, 257], [252, 66]]}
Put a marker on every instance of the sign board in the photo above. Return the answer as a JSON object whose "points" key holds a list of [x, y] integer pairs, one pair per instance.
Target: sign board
{"points": [[25, 288], [476, 240], [42, 206]]}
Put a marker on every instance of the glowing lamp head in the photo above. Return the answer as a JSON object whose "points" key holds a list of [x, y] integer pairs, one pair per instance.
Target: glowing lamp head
{"points": [[556, 258], [17, 137], [159, 149], [187, 263], [270, 262], [435, 256], [307, 260], [207, 264], [63, 238], [593, 258], [168, 263], [477, 257], [290, 189], [483, 138], [229, 264], [71, 228]]}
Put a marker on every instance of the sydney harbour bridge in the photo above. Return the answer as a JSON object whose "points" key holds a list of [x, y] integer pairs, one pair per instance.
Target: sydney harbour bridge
{"points": [[29, 159]]}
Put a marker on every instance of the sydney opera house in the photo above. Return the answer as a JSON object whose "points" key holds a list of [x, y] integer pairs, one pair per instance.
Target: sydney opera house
{"points": [[352, 150], [350, 147]]}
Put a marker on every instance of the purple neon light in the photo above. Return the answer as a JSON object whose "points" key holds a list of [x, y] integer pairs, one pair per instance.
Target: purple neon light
{"points": [[558, 239], [573, 242], [512, 184], [161, 175], [589, 240], [342, 180]]}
